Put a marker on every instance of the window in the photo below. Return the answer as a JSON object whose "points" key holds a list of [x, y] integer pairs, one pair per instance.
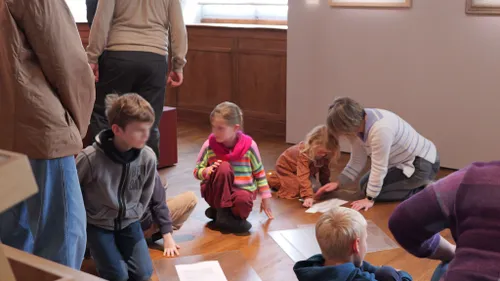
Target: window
{"points": [[79, 10], [244, 11]]}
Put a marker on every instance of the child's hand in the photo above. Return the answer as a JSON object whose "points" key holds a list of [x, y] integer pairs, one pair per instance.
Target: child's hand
{"points": [[308, 203], [210, 169], [266, 207], [326, 188], [171, 249]]}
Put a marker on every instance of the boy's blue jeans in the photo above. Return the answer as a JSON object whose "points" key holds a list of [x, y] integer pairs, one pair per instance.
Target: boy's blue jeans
{"points": [[50, 224], [120, 255]]}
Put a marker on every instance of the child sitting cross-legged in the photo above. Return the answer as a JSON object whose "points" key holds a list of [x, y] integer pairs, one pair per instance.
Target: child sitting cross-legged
{"points": [[342, 234], [231, 171], [117, 175]]}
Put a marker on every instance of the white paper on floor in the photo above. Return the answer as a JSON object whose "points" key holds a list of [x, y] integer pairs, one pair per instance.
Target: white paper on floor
{"points": [[303, 241], [325, 206], [206, 271]]}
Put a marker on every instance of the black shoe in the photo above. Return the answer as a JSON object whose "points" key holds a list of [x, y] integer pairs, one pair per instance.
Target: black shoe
{"points": [[227, 221], [211, 213]]}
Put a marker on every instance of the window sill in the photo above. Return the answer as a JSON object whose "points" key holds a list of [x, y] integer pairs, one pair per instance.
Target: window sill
{"points": [[239, 24]]}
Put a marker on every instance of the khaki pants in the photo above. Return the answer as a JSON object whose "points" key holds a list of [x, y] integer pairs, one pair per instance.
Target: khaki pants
{"points": [[180, 207]]}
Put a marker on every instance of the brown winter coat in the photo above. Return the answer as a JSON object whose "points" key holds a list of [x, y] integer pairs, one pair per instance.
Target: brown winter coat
{"points": [[47, 88]]}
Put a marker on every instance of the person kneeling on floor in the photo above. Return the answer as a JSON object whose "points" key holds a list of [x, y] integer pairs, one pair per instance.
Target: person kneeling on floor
{"points": [[166, 215], [117, 176]]}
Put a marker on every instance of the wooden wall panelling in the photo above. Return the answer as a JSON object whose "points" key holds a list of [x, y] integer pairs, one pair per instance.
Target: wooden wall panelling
{"points": [[250, 63], [245, 65]]}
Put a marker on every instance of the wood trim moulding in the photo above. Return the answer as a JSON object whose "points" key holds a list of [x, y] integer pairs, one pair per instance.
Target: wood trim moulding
{"points": [[474, 8], [388, 4]]}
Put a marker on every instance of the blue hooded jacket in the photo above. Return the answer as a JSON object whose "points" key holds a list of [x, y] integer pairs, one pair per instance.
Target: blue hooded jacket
{"points": [[313, 269]]}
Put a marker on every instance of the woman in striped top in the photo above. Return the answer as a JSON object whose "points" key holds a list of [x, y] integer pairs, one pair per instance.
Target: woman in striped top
{"points": [[403, 162], [231, 171]]}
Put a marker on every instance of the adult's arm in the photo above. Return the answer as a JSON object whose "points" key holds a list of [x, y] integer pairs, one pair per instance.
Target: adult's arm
{"points": [[356, 163], [100, 30], [178, 36], [416, 222], [381, 139], [51, 32]]}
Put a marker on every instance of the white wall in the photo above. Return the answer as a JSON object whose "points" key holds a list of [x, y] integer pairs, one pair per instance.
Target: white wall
{"points": [[432, 64]]}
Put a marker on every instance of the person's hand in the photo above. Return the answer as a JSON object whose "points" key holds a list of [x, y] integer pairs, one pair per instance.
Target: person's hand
{"points": [[175, 79], [266, 207], [329, 187], [95, 69], [308, 203], [363, 204], [170, 248], [210, 169]]}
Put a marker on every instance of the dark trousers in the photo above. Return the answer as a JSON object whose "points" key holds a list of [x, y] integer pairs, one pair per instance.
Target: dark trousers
{"points": [[131, 72], [120, 255], [220, 192], [397, 186], [91, 9]]}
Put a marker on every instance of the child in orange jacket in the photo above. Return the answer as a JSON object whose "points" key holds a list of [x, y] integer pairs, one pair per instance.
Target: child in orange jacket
{"points": [[297, 167]]}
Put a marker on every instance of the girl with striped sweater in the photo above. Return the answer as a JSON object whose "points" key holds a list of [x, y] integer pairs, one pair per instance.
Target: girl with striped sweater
{"points": [[403, 162], [230, 168]]}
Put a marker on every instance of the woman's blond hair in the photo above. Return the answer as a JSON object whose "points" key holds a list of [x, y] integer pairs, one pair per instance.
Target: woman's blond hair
{"points": [[345, 116], [230, 112], [316, 138]]}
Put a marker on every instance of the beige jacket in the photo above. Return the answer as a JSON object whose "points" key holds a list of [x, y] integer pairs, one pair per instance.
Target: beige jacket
{"points": [[144, 26], [47, 88]]}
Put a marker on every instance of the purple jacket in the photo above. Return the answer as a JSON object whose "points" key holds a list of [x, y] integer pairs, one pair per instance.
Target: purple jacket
{"points": [[468, 203]]}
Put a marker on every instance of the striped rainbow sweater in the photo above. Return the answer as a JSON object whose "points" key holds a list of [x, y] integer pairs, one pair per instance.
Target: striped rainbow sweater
{"points": [[249, 173]]}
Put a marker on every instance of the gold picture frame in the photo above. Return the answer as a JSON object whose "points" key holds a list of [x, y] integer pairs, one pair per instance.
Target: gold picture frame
{"points": [[381, 4], [472, 7]]}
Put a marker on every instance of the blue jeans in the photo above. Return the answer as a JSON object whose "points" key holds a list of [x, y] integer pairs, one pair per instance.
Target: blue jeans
{"points": [[51, 223], [120, 255], [439, 272]]}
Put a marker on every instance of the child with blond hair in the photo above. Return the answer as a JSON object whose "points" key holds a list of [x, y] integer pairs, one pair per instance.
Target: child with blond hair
{"points": [[231, 170], [342, 237], [298, 166]]}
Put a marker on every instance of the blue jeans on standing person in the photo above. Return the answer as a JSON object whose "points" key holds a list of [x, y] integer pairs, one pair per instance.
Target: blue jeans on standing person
{"points": [[50, 224], [120, 255]]}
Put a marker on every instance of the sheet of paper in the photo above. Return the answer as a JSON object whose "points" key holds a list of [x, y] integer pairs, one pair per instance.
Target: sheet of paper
{"points": [[326, 205], [206, 271]]}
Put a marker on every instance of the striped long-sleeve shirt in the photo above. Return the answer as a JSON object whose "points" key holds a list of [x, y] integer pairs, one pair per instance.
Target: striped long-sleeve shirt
{"points": [[391, 142], [249, 173]]}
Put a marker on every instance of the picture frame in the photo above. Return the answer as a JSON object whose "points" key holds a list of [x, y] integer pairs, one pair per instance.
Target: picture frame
{"points": [[482, 7], [381, 4]]}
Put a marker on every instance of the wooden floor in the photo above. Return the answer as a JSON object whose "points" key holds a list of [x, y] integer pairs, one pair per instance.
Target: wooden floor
{"points": [[259, 249]]}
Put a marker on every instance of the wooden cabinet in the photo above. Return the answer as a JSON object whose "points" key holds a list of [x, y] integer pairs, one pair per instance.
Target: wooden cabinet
{"points": [[238, 63]]}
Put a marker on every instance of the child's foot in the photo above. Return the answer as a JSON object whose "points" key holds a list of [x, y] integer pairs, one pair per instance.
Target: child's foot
{"points": [[211, 213], [226, 221]]}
